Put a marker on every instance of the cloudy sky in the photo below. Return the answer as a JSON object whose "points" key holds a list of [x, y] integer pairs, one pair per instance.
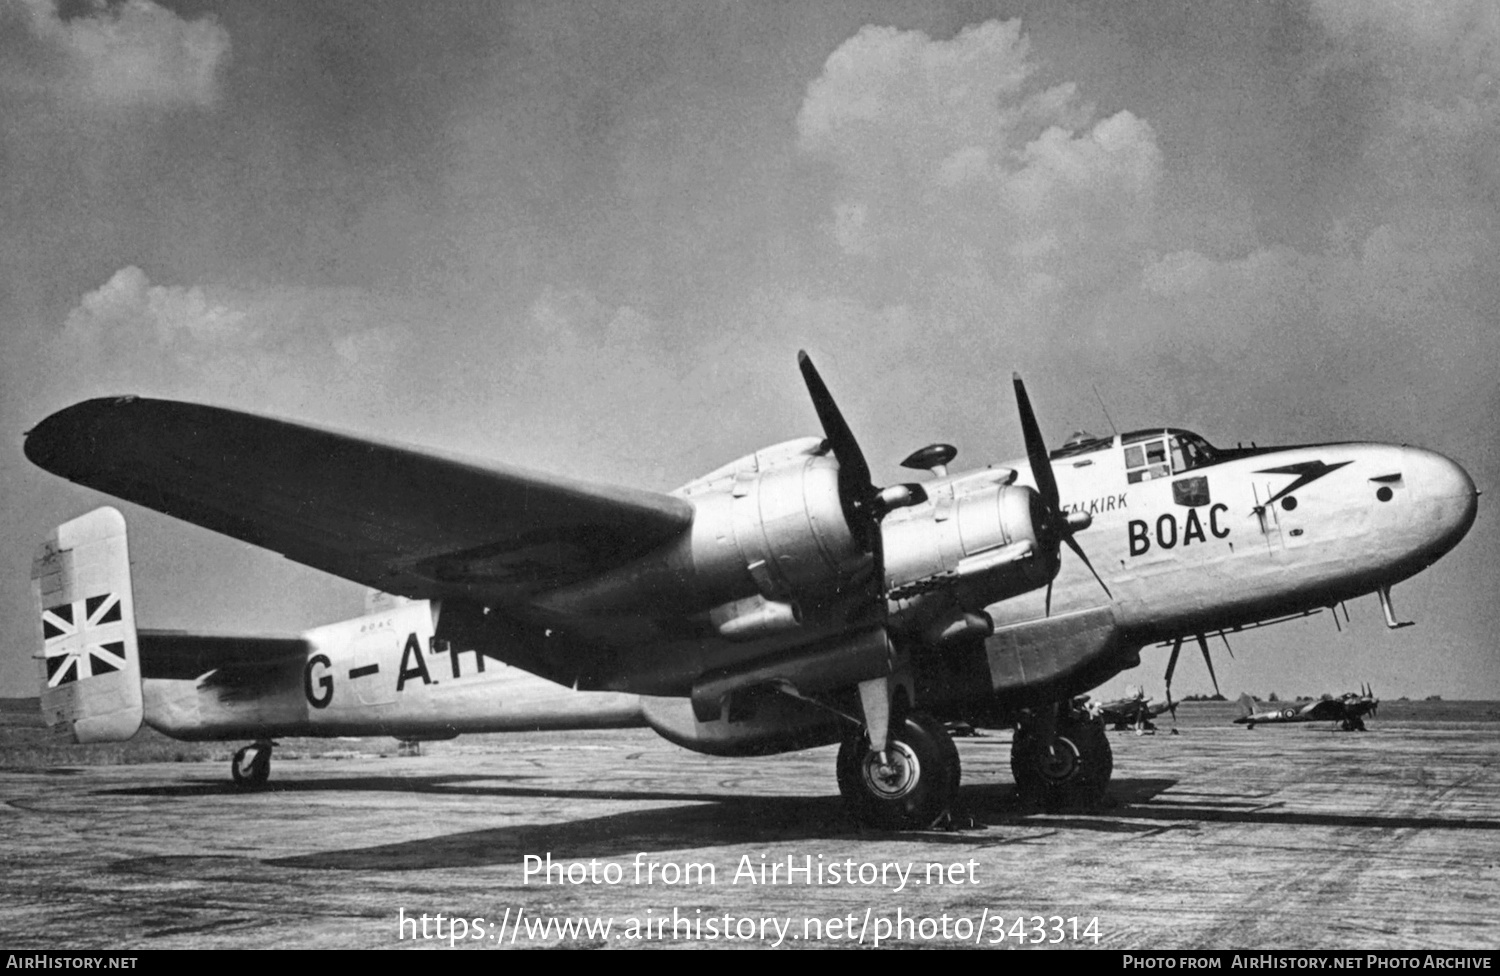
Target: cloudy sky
{"points": [[590, 237]]}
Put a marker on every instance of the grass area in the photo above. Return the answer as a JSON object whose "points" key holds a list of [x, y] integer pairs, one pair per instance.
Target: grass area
{"points": [[26, 743]]}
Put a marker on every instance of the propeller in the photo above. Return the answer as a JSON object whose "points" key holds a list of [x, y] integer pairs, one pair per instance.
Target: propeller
{"points": [[864, 504], [1054, 525]]}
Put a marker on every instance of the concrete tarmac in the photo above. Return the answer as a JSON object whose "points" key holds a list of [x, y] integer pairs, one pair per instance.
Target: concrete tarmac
{"points": [[1219, 838]]}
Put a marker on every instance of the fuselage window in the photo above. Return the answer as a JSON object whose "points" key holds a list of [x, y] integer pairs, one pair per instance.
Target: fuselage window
{"points": [[1143, 462]]}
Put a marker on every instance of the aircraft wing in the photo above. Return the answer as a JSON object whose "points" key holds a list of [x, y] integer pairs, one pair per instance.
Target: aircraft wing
{"points": [[175, 654], [398, 518]]}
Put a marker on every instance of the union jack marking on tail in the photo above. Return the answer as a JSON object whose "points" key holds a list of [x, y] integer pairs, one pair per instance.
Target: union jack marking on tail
{"points": [[84, 638]]}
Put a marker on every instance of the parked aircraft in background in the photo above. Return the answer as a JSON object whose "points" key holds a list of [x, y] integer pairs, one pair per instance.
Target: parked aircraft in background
{"points": [[1134, 711], [1349, 710], [780, 602]]}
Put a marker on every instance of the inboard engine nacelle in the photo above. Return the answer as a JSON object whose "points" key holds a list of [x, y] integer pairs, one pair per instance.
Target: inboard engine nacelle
{"points": [[978, 540]]}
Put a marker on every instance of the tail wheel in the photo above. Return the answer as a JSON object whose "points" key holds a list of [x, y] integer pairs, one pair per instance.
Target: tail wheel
{"points": [[1073, 772], [251, 766], [913, 788]]}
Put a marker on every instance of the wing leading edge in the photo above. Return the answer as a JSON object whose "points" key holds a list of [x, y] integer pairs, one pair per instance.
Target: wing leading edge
{"points": [[403, 520]]}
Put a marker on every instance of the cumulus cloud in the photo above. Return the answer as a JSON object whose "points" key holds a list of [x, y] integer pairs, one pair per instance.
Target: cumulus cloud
{"points": [[1406, 255], [117, 56], [250, 346], [128, 305], [955, 165], [975, 206]]}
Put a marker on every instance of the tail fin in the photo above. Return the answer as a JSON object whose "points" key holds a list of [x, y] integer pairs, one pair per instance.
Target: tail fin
{"points": [[1247, 705], [90, 663]]}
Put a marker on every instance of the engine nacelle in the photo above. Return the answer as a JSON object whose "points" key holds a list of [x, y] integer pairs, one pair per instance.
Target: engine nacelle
{"points": [[976, 541], [771, 531], [769, 548], [771, 554]]}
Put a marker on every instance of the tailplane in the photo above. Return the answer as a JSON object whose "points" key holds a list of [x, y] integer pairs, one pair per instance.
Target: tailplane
{"points": [[89, 663]]}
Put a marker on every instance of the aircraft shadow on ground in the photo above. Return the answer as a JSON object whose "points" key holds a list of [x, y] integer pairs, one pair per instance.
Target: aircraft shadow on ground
{"points": [[739, 823], [711, 820], [715, 819]]}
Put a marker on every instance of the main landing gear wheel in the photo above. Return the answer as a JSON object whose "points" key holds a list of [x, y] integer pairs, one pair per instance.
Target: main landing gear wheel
{"points": [[1073, 774], [251, 766], [913, 789]]}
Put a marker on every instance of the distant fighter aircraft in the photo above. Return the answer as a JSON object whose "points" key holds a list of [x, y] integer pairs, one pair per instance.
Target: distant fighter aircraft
{"points": [[1134, 711], [1348, 710], [780, 602]]}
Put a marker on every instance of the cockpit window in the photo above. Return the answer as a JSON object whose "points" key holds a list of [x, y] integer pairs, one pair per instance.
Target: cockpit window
{"points": [[1144, 462], [1151, 454], [1190, 451]]}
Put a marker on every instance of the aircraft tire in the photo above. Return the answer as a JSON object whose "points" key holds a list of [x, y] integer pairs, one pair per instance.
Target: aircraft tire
{"points": [[251, 767], [915, 791], [1075, 776]]}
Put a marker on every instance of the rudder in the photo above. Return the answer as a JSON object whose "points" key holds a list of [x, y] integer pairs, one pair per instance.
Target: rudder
{"points": [[1247, 705], [89, 664]]}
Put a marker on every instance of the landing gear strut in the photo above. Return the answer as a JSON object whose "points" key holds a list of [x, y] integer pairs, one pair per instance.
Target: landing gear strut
{"points": [[916, 784], [251, 766], [1066, 765]]}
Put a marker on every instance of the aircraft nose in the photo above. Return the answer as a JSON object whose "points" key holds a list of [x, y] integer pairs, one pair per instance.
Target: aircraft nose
{"points": [[1446, 491]]}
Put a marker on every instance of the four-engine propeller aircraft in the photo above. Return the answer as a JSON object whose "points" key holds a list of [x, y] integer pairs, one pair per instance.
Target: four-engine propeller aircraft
{"points": [[1134, 711], [784, 600], [1349, 710]]}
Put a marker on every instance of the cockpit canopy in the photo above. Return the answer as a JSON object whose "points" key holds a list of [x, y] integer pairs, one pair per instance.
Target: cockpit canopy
{"points": [[1152, 453]]}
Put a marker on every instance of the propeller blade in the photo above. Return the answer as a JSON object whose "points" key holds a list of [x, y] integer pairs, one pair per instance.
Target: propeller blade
{"points": [[1036, 449], [1078, 551], [1203, 643], [856, 493]]}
